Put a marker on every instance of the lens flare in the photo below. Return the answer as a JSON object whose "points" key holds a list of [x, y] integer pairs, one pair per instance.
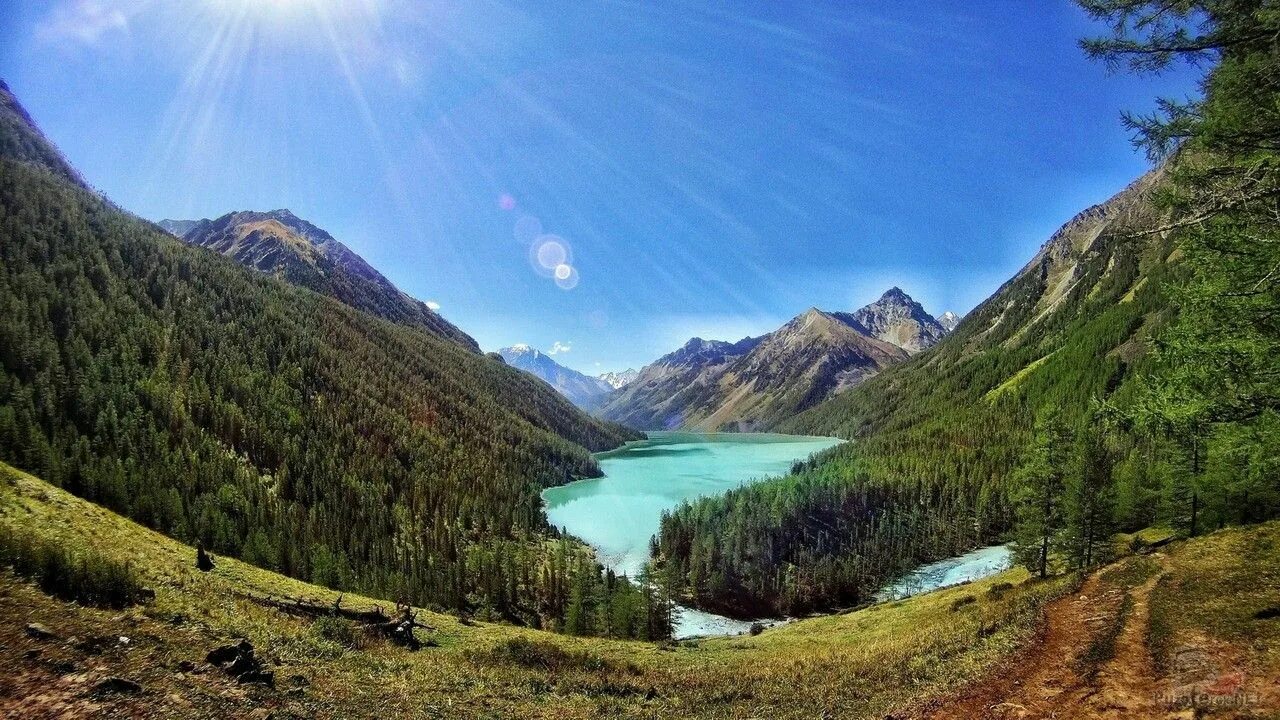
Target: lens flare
{"points": [[570, 279], [550, 251]]}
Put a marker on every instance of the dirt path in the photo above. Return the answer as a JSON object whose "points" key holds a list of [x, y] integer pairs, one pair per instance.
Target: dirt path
{"points": [[1126, 685], [1090, 660]]}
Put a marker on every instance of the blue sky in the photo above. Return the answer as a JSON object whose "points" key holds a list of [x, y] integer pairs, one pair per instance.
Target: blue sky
{"points": [[709, 169]]}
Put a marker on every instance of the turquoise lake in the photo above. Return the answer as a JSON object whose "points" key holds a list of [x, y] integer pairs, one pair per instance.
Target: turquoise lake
{"points": [[619, 512]]}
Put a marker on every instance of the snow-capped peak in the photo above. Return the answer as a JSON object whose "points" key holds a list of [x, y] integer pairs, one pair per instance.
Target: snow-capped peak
{"points": [[616, 380]]}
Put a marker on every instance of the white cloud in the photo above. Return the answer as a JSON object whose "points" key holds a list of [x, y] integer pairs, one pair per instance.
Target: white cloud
{"points": [[82, 21], [559, 348], [432, 304]]}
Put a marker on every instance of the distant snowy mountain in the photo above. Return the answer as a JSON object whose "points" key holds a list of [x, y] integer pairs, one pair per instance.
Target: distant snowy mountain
{"points": [[619, 379], [949, 320], [582, 390]]}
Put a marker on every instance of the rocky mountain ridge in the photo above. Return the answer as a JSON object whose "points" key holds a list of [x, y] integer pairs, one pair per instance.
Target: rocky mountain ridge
{"points": [[281, 244], [755, 383], [616, 380]]}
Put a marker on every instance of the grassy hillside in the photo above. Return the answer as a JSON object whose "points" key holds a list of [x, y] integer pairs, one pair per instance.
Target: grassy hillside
{"points": [[856, 665], [904, 657], [267, 421]]}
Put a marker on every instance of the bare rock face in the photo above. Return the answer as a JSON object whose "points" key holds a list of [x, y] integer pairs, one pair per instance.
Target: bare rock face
{"points": [[898, 319], [39, 632], [756, 383]]}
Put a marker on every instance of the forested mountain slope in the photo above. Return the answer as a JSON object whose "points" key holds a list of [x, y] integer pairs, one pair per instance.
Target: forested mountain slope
{"points": [[263, 420], [757, 383], [937, 438], [280, 243]]}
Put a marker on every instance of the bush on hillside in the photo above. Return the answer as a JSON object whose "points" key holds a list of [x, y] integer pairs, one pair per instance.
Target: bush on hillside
{"points": [[88, 578]]}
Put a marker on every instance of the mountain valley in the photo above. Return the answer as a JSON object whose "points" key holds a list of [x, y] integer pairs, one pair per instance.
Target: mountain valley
{"points": [[243, 474]]}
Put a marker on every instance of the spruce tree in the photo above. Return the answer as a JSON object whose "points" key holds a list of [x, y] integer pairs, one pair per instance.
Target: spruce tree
{"points": [[1038, 500], [1089, 498]]}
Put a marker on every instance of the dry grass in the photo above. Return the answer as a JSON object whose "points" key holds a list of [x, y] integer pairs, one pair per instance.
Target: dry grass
{"points": [[858, 664]]}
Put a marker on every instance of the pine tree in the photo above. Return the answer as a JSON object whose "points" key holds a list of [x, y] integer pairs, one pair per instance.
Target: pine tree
{"points": [[1038, 500], [1089, 497]]}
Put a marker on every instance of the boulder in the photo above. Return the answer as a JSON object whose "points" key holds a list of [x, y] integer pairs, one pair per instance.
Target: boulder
{"points": [[40, 632]]}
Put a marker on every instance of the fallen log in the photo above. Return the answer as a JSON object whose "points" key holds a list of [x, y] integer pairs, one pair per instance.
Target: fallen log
{"points": [[398, 628]]}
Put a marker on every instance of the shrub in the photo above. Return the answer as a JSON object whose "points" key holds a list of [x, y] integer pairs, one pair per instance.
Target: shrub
{"points": [[545, 655], [88, 578], [335, 629], [962, 601], [999, 589]]}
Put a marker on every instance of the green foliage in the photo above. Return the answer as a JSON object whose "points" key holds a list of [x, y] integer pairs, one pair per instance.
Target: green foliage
{"points": [[87, 578], [1189, 255], [264, 421], [1089, 497], [337, 630], [543, 655], [930, 469], [1038, 502], [1215, 385], [998, 590]]}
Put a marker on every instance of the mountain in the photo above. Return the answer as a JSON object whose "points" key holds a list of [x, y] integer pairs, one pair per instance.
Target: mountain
{"points": [[898, 319], [931, 473], [756, 383], [283, 245], [667, 392], [616, 380], [261, 420], [178, 228], [583, 390], [948, 320], [21, 141]]}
